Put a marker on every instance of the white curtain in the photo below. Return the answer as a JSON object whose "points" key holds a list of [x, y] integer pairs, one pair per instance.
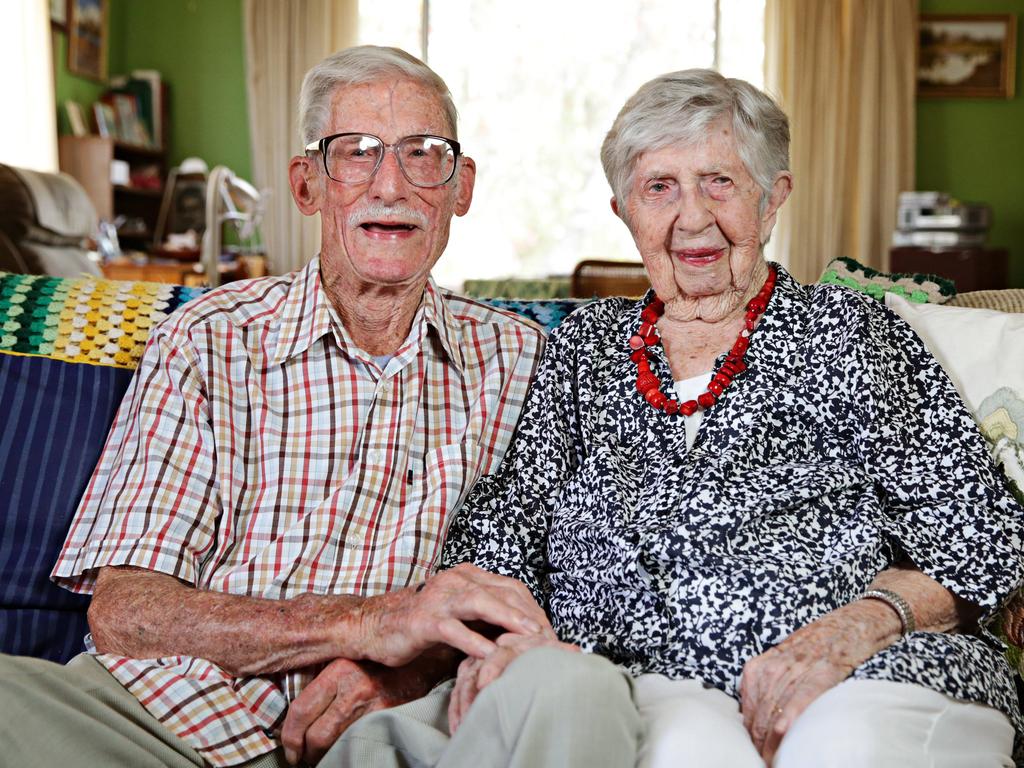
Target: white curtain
{"points": [[843, 70], [28, 134], [283, 40]]}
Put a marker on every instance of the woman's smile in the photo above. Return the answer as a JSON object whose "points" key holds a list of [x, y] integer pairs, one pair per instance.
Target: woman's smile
{"points": [[699, 256]]}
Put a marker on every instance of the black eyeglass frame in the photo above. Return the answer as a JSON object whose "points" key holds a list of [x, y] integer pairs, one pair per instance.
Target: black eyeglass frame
{"points": [[320, 145]]}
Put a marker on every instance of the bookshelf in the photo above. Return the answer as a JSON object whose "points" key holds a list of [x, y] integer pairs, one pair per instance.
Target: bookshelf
{"points": [[88, 159]]}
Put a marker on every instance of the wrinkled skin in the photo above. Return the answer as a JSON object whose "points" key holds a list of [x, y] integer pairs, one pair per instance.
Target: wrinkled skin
{"points": [[778, 685], [345, 691], [373, 272], [694, 212]]}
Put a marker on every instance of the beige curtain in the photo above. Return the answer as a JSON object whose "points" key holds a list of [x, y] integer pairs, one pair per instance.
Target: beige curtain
{"points": [[282, 41], [843, 70]]}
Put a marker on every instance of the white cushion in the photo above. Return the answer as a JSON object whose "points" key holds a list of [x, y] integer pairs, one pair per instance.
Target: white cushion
{"points": [[982, 350]]}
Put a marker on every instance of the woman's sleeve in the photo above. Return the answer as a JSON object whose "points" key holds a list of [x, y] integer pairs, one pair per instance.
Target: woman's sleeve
{"points": [[945, 503], [503, 525]]}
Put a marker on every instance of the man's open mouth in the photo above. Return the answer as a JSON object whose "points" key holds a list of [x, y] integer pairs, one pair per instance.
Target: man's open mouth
{"points": [[385, 227]]}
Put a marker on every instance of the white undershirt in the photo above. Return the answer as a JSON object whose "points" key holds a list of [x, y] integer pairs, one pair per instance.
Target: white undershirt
{"points": [[690, 389]]}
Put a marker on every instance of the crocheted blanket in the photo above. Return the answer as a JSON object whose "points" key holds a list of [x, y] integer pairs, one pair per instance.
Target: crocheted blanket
{"points": [[107, 322], [83, 320]]}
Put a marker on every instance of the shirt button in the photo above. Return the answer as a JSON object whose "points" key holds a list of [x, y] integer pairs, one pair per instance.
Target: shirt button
{"points": [[375, 456]]}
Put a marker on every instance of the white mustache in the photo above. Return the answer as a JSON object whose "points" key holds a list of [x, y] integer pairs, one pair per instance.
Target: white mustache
{"points": [[381, 212]]}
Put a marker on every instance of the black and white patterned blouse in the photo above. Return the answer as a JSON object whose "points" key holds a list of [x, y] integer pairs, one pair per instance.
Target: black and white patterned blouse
{"points": [[842, 449]]}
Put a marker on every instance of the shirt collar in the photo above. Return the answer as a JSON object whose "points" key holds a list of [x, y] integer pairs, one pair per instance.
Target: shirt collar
{"points": [[307, 316], [438, 315]]}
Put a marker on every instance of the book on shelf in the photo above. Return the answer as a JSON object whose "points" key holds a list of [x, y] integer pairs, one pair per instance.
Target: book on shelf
{"points": [[151, 78], [106, 123], [144, 87], [130, 128], [76, 118]]}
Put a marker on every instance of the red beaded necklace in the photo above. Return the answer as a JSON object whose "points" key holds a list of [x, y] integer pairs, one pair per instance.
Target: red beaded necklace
{"points": [[648, 384]]}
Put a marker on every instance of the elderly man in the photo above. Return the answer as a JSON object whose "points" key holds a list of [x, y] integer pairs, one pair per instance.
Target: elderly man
{"points": [[266, 516]]}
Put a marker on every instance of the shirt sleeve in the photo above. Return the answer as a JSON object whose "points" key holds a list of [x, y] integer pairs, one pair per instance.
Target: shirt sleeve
{"points": [[945, 503], [152, 501], [503, 525]]}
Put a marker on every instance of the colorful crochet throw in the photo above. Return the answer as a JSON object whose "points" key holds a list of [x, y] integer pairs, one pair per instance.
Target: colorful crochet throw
{"points": [[921, 289], [83, 320]]}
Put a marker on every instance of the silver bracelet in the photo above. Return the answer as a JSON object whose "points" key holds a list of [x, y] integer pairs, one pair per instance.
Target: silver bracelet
{"points": [[898, 604]]}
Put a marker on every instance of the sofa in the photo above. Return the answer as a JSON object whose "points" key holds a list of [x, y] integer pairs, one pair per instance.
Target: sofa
{"points": [[68, 347]]}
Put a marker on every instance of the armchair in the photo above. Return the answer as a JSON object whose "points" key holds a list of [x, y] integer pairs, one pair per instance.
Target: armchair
{"points": [[45, 222]]}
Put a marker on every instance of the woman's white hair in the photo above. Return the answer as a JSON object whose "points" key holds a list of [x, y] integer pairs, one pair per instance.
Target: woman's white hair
{"points": [[678, 107], [357, 66]]}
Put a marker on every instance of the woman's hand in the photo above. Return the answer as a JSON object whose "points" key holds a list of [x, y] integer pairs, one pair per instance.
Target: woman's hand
{"points": [[780, 684], [476, 674]]}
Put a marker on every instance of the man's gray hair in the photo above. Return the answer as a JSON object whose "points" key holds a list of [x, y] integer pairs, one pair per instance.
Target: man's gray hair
{"points": [[679, 107], [358, 66]]}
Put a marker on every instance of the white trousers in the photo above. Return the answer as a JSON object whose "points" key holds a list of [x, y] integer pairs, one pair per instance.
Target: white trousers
{"points": [[857, 723]]}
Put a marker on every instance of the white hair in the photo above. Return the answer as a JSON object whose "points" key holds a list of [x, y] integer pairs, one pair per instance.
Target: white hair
{"points": [[357, 66], [679, 107]]}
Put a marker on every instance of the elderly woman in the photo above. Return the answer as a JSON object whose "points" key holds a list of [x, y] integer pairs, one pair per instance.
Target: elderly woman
{"points": [[763, 503]]}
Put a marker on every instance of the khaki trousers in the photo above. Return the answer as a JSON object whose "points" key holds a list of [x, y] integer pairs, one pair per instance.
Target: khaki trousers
{"points": [[79, 715], [550, 708]]}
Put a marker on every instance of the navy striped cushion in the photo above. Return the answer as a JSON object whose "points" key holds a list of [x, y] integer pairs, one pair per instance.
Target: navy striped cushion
{"points": [[55, 420]]}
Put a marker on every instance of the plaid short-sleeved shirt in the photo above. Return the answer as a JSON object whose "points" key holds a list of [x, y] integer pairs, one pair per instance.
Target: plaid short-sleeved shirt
{"points": [[259, 452]]}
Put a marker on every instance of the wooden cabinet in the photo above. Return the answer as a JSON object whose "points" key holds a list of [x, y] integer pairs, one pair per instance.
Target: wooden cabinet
{"points": [[88, 159], [183, 273], [971, 269]]}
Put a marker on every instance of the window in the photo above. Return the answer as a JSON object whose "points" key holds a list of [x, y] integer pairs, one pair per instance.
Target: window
{"points": [[28, 140], [537, 84]]}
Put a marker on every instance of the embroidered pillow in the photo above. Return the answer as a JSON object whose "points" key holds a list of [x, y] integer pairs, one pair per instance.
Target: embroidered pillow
{"points": [[920, 289], [972, 345]]}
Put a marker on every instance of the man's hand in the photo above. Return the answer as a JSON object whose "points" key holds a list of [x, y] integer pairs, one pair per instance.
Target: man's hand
{"points": [[780, 684], [399, 626], [476, 674], [346, 690]]}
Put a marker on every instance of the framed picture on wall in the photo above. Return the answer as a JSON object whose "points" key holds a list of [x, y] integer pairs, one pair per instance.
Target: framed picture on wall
{"points": [[87, 38], [971, 56]]}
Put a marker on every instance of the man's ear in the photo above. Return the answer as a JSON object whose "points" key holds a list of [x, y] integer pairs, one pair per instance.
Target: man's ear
{"points": [[306, 184], [467, 178], [615, 206], [781, 188]]}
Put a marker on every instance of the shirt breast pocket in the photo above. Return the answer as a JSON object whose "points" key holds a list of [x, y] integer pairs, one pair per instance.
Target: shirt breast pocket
{"points": [[438, 488]]}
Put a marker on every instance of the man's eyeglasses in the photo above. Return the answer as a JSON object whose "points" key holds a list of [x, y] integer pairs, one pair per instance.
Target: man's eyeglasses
{"points": [[353, 158]]}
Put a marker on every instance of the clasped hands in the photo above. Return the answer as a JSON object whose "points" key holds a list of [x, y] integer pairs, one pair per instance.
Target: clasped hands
{"points": [[409, 637], [406, 640]]}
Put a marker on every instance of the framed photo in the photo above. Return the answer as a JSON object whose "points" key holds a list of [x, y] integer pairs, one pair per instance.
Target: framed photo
{"points": [[183, 207], [971, 56], [87, 38], [59, 15]]}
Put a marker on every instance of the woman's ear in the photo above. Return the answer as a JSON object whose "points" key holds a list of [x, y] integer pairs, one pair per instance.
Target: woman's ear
{"points": [[781, 188], [306, 184]]}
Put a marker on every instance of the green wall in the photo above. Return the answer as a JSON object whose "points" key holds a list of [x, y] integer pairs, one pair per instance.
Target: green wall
{"points": [[974, 148], [198, 47]]}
